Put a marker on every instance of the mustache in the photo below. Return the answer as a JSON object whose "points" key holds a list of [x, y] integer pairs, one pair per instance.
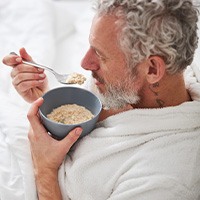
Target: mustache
{"points": [[99, 79]]}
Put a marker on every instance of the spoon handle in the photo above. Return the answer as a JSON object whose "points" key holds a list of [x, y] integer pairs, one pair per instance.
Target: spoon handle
{"points": [[37, 65], [34, 64]]}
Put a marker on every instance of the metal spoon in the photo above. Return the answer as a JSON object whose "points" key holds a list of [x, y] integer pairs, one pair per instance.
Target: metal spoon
{"points": [[62, 78]]}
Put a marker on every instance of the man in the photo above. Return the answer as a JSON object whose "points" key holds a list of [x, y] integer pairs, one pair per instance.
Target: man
{"points": [[146, 145]]}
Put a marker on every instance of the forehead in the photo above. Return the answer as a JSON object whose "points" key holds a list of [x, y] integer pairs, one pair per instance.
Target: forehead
{"points": [[104, 31]]}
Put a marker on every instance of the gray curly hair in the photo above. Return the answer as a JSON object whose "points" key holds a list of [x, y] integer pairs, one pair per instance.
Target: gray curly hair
{"points": [[167, 28]]}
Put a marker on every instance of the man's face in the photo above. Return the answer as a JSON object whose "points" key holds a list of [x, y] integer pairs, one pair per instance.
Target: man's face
{"points": [[107, 63]]}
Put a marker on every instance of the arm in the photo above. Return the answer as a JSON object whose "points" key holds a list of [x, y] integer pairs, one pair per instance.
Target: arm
{"points": [[47, 154], [44, 189], [30, 82]]}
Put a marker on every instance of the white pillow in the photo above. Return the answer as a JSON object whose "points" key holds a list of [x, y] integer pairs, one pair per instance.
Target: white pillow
{"points": [[67, 12]]}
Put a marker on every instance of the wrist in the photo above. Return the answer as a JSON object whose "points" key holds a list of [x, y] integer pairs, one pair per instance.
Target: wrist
{"points": [[47, 184], [45, 172]]}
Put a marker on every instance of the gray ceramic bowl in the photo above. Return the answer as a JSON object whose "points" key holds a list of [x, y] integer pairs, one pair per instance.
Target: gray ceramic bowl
{"points": [[69, 95]]}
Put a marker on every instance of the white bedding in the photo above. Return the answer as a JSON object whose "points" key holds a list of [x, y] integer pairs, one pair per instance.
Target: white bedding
{"points": [[55, 33]]}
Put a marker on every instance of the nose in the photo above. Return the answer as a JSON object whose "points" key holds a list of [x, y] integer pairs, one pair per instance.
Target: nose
{"points": [[90, 61]]}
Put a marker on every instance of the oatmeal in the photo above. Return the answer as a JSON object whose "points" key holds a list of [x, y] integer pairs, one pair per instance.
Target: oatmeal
{"points": [[76, 78], [70, 114]]}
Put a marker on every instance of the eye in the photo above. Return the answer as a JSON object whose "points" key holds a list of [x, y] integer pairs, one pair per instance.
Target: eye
{"points": [[100, 56]]}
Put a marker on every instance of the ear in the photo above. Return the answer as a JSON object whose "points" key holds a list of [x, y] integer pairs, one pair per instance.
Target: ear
{"points": [[155, 69]]}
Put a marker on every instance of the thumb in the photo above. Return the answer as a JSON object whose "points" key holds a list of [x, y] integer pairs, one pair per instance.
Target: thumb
{"points": [[71, 138], [25, 55]]}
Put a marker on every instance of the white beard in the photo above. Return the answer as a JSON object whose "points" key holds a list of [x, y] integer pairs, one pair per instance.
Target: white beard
{"points": [[117, 97]]}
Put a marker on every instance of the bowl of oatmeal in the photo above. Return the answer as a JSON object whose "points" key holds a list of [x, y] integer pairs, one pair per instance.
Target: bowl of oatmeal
{"points": [[65, 108]]}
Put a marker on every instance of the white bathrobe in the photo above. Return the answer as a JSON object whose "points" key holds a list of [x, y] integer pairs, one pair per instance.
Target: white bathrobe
{"points": [[142, 154], [149, 154]]}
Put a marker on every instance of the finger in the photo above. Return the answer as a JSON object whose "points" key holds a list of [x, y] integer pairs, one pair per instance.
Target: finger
{"points": [[23, 68], [21, 77], [33, 116], [30, 134], [11, 60], [25, 55], [71, 138], [25, 86]]}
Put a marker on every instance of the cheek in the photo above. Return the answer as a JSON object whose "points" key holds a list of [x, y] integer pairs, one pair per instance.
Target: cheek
{"points": [[133, 81], [114, 78], [140, 84], [115, 70]]}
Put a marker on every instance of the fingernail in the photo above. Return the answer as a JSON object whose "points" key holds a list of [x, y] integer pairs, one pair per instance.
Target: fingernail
{"points": [[78, 131], [18, 59], [42, 75], [40, 70]]}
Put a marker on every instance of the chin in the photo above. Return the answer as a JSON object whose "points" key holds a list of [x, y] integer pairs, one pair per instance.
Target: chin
{"points": [[98, 88]]}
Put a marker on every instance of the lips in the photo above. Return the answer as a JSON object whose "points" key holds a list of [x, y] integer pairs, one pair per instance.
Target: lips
{"points": [[97, 80]]}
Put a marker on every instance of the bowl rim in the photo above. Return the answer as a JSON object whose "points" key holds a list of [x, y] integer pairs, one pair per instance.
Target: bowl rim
{"points": [[71, 125]]}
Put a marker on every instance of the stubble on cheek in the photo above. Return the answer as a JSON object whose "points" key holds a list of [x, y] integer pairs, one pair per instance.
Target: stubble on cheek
{"points": [[118, 94]]}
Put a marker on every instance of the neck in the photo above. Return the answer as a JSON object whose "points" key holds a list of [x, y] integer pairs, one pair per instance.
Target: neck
{"points": [[170, 91], [107, 113]]}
